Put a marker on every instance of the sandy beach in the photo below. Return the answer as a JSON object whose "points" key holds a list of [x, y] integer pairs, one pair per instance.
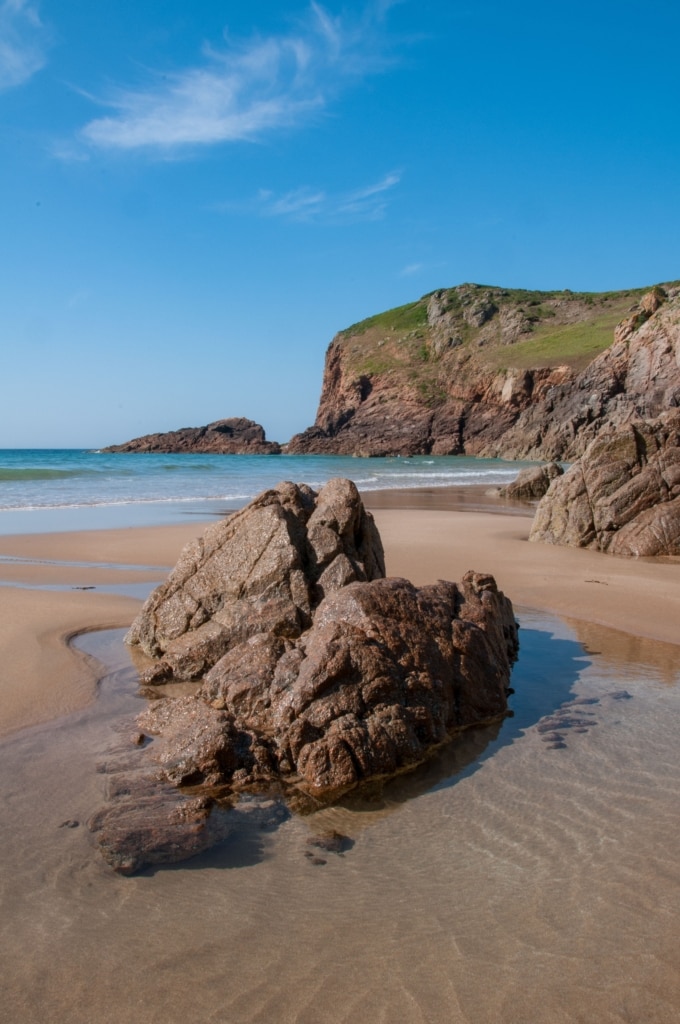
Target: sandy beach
{"points": [[552, 873], [435, 537]]}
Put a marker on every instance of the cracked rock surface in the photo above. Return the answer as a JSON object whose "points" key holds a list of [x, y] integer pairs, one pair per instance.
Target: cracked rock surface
{"points": [[317, 672], [622, 495]]}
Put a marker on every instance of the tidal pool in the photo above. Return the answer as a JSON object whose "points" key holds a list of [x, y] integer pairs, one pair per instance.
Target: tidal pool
{"points": [[508, 880]]}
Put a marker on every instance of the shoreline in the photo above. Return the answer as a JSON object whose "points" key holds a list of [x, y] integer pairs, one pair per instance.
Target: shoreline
{"points": [[428, 534]]}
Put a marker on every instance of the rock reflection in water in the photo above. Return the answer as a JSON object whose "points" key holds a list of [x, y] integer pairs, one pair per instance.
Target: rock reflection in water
{"points": [[553, 873], [147, 822]]}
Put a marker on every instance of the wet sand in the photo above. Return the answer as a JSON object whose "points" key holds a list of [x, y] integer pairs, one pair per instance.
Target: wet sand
{"points": [[42, 679], [503, 883]]}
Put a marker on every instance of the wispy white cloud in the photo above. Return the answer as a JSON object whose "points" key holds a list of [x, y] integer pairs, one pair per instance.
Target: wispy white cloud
{"points": [[318, 205], [23, 42], [247, 88], [410, 269]]}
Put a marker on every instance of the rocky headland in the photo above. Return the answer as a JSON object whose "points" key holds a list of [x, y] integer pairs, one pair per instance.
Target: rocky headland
{"points": [[498, 372], [315, 673], [477, 370], [235, 436]]}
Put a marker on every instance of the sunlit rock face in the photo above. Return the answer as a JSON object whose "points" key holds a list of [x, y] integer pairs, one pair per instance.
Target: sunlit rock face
{"points": [[622, 495], [263, 570], [317, 674], [498, 373]]}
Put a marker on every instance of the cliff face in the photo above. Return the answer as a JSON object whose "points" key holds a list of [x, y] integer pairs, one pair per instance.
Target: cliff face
{"points": [[236, 436], [499, 373]]}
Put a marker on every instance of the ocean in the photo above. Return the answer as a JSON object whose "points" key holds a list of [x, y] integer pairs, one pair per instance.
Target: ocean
{"points": [[46, 490]]}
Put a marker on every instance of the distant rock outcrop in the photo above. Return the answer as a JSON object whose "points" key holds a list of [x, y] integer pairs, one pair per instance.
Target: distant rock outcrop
{"points": [[622, 495], [236, 436], [531, 483], [318, 673], [498, 373]]}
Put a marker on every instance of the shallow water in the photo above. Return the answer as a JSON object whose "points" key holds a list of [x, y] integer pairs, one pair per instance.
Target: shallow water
{"points": [[504, 882], [45, 491]]}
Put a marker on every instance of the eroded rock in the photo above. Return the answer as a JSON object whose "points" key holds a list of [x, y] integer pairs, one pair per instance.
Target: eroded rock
{"points": [[234, 436], [316, 668], [532, 483], [262, 571], [385, 672], [318, 673], [622, 495]]}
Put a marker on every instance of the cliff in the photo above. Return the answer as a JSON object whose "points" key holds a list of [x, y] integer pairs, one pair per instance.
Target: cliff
{"points": [[498, 372], [236, 436]]}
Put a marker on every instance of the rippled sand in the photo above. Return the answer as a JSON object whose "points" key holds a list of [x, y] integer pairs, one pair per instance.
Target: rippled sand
{"points": [[506, 882]]}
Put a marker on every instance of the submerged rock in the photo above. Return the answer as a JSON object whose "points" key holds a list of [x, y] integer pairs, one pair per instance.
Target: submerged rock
{"points": [[318, 674], [151, 823]]}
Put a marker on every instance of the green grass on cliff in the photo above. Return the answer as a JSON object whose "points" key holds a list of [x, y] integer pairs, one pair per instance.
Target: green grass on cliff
{"points": [[403, 318], [561, 328], [568, 344]]}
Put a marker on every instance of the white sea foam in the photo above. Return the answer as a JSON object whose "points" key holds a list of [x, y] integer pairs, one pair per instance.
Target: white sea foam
{"points": [[79, 481]]}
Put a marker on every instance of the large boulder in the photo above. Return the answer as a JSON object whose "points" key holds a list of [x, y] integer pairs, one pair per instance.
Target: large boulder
{"points": [[317, 674], [385, 672], [263, 570], [622, 495], [315, 669]]}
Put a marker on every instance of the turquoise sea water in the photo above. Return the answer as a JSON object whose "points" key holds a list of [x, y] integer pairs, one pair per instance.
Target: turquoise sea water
{"points": [[45, 490]]}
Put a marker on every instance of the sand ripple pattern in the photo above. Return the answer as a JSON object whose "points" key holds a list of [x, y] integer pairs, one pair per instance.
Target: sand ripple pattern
{"points": [[536, 885]]}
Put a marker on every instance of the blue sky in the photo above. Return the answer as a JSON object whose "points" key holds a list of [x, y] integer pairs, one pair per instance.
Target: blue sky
{"points": [[195, 196]]}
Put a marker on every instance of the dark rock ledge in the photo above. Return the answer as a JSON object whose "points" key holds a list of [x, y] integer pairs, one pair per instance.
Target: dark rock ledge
{"points": [[317, 674], [235, 436]]}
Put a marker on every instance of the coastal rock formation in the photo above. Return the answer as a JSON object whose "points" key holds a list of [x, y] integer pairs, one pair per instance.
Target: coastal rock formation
{"points": [[499, 373], [236, 436], [532, 483], [385, 672], [317, 673], [147, 822], [622, 495], [263, 570]]}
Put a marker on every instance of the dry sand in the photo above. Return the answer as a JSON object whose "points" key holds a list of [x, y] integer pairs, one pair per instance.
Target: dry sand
{"points": [[42, 678], [639, 596]]}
